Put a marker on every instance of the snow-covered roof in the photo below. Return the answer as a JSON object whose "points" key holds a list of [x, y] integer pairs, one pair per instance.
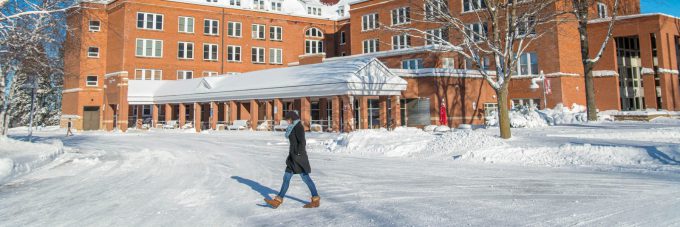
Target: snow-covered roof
{"points": [[633, 16], [352, 77]]}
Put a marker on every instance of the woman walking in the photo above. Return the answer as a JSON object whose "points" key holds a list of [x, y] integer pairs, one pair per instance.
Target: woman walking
{"points": [[296, 163]]}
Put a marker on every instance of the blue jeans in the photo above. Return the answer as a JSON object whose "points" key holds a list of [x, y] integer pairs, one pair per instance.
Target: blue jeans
{"points": [[305, 178]]}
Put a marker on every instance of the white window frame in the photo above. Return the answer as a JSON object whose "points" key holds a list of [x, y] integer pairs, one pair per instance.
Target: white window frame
{"points": [[93, 28], [276, 33], [154, 21], [182, 74], [257, 30], [313, 10], [213, 27], [343, 38], [415, 63], [259, 4], [314, 32], [470, 4], [436, 36], [602, 11], [90, 53], [529, 56], [210, 73], [526, 27], [401, 41], [232, 54], [476, 31], [186, 27], [313, 46], [370, 46], [276, 5], [401, 15], [257, 55], [186, 50], [154, 74], [276, 56], [154, 43], [211, 51], [448, 63], [234, 32], [435, 6], [369, 22], [235, 3], [96, 81]]}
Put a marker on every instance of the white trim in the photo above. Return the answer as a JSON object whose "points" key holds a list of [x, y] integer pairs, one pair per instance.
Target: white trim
{"points": [[115, 74], [72, 90], [618, 18], [605, 73]]}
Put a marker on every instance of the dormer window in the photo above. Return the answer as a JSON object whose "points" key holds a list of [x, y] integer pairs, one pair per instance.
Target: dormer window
{"points": [[211, 0], [258, 4], [311, 10], [276, 5], [235, 3], [341, 10]]}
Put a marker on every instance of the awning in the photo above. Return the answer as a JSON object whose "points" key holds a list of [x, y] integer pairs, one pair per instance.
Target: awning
{"points": [[358, 77]]}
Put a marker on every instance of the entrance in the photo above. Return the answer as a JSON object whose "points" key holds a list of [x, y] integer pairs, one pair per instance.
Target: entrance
{"points": [[630, 68], [91, 118]]}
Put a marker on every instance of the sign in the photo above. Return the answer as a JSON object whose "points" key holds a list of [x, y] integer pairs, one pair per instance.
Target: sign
{"points": [[276, 109]]}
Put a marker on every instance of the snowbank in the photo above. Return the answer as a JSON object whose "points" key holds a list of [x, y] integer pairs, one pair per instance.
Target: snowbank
{"points": [[18, 157], [523, 117]]}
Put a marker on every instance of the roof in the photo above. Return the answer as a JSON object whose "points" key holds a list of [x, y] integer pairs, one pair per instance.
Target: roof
{"points": [[351, 77], [633, 16]]}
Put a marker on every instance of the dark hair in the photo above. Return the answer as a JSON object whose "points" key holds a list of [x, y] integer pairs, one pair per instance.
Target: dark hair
{"points": [[292, 115]]}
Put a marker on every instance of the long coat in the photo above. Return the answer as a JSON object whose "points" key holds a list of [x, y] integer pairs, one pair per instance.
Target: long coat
{"points": [[297, 161]]}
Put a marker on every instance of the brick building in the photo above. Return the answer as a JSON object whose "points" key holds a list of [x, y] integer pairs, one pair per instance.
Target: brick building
{"points": [[118, 42]]}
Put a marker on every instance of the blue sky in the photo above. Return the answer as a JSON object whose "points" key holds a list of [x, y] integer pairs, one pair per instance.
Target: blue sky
{"points": [[671, 7]]}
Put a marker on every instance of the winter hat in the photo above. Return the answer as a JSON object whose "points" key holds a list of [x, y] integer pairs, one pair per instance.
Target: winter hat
{"points": [[292, 115]]}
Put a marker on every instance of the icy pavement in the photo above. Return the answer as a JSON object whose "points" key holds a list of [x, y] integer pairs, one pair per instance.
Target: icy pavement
{"points": [[219, 179]]}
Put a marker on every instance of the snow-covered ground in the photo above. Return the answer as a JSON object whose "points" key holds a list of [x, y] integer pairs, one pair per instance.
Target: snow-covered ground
{"points": [[602, 174]]}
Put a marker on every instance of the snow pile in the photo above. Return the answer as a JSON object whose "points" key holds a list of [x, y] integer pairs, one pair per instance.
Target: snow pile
{"points": [[570, 155], [18, 157], [523, 117]]}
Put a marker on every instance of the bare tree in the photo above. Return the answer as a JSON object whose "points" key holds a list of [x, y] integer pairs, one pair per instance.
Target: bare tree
{"points": [[499, 30], [581, 10]]}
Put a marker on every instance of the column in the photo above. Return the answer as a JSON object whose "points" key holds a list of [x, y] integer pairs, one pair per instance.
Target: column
{"points": [[323, 110], [268, 111], [382, 102], [254, 113], [138, 122], [182, 115], [396, 111], [278, 111], [233, 114], [306, 112], [154, 115], [168, 113], [226, 112], [335, 112], [214, 113], [108, 117], [197, 117], [348, 114], [123, 107], [363, 112]]}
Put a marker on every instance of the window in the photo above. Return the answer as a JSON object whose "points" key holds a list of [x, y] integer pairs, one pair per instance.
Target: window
{"points": [[475, 32], [150, 21], [437, 36], [235, 3], [401, 41], [95, 26], [401, 15], [209, 73], [314, 32], [234, 53], [258, 4], [313, 10], [186, 24], [93, 52], [149, 48], [435, 8], [490, 109], [276, 56], [343, 39], [527, 103], [210, 52], [472, 5], [484, 61], [234, 29], [412, 64], [341, 11], [257, 55], [526, 27], [185, 50], [275, 33], [91, 81], [313, 46], [276, 5], [184, 74], [211, 0], [146, 110], [369, 22], [370, 46], [148, 74], [448, 63], [258, 31], [602, 10], [528, 64], [211, 27]]}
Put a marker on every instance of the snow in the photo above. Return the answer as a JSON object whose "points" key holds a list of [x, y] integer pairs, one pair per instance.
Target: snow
{"points": [[18, 157], [595, 174], [351, 77]]}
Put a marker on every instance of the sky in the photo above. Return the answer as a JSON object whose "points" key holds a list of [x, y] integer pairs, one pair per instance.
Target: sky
{"points": [[671, 7]]}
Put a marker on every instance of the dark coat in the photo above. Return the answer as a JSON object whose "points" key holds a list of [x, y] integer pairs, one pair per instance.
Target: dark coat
{"points": [[297, 161]]}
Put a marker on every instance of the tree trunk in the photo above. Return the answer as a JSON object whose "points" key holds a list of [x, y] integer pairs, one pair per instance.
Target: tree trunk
{"points": [[590, 93], [503, 113]]}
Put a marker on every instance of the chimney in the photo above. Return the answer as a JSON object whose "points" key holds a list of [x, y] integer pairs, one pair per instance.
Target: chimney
{"points": [[312, 58]]}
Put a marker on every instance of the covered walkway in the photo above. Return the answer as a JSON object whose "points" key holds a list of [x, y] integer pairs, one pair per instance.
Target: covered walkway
{"points": [[329, 97]]}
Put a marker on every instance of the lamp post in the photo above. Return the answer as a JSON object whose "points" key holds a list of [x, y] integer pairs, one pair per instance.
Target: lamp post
{"points": [[534, 86]]}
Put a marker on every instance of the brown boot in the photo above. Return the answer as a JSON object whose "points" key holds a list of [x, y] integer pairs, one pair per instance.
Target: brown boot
{"points": [[316, 201], [274, 202]]}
